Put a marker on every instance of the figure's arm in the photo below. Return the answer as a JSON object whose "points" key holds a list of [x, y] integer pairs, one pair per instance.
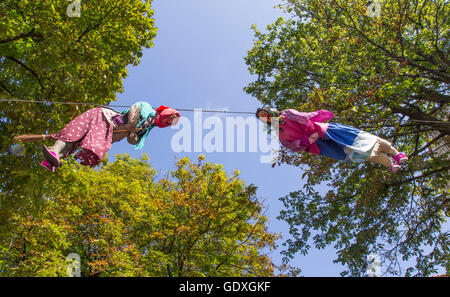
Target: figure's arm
{"points": [[304, 117], [322, 116], [298, 145], [133, 119], [133, 139], [293, 146]]}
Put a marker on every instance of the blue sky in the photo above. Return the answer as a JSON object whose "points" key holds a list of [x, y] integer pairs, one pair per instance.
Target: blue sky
{"points": [[198, 62]]}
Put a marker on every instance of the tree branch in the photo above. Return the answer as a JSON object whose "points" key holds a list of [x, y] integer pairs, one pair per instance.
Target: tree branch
{"points": [[5, 88], [27, 68], [431, 95], [419, 177], [440, 76], [32, 33], [96, 26], [427, 146], [416, 114]]}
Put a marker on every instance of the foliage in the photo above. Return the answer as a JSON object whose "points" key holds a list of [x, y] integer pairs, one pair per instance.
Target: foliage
{"points": [[387, 75], [117, 217], [124, 222], [47, 55]]}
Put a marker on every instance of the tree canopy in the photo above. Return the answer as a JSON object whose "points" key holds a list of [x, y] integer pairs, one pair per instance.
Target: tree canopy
{"points": [[119, 218], [45, 54], [387, 74], [123, 221]]}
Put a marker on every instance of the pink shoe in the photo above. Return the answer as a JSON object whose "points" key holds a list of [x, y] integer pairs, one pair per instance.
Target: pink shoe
{"points": [[48, 166], [51, 157], [395, 168], [400, 158]]}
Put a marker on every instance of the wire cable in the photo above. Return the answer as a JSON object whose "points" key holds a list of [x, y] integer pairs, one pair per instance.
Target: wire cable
{"points": [[116, 106]]}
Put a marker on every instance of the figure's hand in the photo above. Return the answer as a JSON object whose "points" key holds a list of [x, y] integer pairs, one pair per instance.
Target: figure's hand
{"points": [[131, 129], [304, 141]]}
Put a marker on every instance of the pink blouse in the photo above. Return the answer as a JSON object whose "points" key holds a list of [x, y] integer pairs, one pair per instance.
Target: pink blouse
{"points": [[299, 131]]}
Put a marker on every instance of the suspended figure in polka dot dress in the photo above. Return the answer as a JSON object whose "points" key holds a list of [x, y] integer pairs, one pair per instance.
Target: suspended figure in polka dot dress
{"points": [[92, 132], [309, 132]]}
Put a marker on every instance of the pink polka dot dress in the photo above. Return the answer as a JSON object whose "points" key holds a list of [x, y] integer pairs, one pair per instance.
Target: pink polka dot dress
{"points": [[92, 132]]}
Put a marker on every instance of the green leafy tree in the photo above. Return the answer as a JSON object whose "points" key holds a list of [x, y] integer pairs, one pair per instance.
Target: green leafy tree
{"points": [[122, 221], [48, 55], [387, 73], [45, 54]]}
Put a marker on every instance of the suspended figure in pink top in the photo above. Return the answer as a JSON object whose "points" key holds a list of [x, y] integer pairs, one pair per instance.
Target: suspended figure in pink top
{"points": [[309, 132]]}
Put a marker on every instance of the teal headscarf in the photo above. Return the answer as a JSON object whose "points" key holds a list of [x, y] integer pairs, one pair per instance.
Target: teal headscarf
{"points": [[146, 111]]}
